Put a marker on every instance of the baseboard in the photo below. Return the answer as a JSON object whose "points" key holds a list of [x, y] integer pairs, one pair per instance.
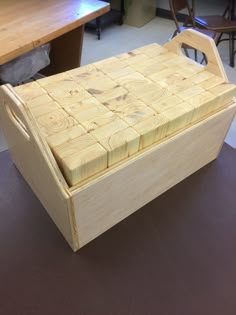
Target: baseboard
{"points": [[166, 14]]}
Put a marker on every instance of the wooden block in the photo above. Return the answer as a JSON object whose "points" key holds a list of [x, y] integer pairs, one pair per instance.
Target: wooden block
{"points": [[203, 103], [89, 112], [81, 105], [89, 162], [161, 75], [55, 122], [139, 115], [112, 67], [190, 92], [153, 94], [210, 83], [29, 91], [44, 108], [110, 94], [174, 81], [65, 136], [177, 60], [132, 107], [121, 145], [201, 76], [140, 65], [115, 104], [62, 88], [105, 62], [121, 73], [74, 146], [151, 50], [71, 97], [179, 117], [123, 56], [98, 121], [163, 58], [54, 78], [143, 90], [149, 69], [58, 126], [133, 81], [224, 93], [109, 129], [163, 105], [102, 84], [177, 85], [84, 73], [135, 58], [39, 100], [151, 130], [189, 70]]}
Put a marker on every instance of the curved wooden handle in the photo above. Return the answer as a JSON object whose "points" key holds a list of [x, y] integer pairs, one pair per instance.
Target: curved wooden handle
{"points": [[202, 43], [13, 109]]}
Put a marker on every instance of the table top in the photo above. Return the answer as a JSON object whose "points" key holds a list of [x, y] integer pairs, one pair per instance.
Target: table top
{"points": [[27, 24], [175, 256]]}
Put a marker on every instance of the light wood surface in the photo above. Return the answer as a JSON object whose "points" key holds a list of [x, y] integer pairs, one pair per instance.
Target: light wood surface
{"points": [[91, 167], [34, 160], [105, 201], [27, 24], [203, 43], [106, 106]]}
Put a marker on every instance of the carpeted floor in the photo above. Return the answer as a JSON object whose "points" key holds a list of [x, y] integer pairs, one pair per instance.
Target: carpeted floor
{"points": [[176, 256]]}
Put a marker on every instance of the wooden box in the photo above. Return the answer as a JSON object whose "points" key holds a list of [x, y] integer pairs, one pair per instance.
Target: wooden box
{"points": [[83, 207], [140, 12]]}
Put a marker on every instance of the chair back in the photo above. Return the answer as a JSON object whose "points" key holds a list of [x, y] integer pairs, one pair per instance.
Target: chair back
{"points": [[228, 10], [178, 5]]}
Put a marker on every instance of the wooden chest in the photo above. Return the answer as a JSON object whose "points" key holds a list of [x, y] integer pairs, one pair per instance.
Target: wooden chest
{"points": [[98, 142]]}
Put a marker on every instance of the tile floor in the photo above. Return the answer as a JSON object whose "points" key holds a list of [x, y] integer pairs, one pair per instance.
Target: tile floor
{"points": [[117, 39]]}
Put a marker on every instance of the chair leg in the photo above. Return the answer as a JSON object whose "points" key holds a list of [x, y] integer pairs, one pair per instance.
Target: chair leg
{"points": [[195, 54], [218, 39], [186, 52], [98, 27], [231, 49], [204, 59]]}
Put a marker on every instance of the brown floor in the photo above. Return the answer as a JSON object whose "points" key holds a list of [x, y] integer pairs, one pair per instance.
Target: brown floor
{"points": [[175, 256]]}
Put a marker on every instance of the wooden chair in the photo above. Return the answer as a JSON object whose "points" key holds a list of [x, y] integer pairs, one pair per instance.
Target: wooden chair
{"points": [[178, 5], [221, 25]]}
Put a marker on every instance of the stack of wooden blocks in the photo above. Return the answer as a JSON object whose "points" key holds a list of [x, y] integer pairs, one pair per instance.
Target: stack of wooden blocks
{"points": [[99, 115]]}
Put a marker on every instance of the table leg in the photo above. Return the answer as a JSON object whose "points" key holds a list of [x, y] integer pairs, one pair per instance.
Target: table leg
{"points": [[98, 27], [65, 52], [231, 49]]}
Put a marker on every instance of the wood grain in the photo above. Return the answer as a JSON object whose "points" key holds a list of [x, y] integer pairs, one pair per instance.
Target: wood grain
{"points": [[147, 176], [121, 145], [27, 24], [90, 161], [122, 103], [35, 161], [84, 156]]}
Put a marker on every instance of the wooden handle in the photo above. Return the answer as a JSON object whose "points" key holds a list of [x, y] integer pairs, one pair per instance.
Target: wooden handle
{"points": [[13, 109], [15, 112], [202, 43], [17, 122]]}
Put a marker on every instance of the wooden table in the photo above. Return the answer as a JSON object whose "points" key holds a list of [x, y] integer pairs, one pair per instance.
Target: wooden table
{"points": [[27, 24]]}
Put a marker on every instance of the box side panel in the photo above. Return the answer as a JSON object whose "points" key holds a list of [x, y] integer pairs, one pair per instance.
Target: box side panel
{"points": [[34, 164], [105, 202]]}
